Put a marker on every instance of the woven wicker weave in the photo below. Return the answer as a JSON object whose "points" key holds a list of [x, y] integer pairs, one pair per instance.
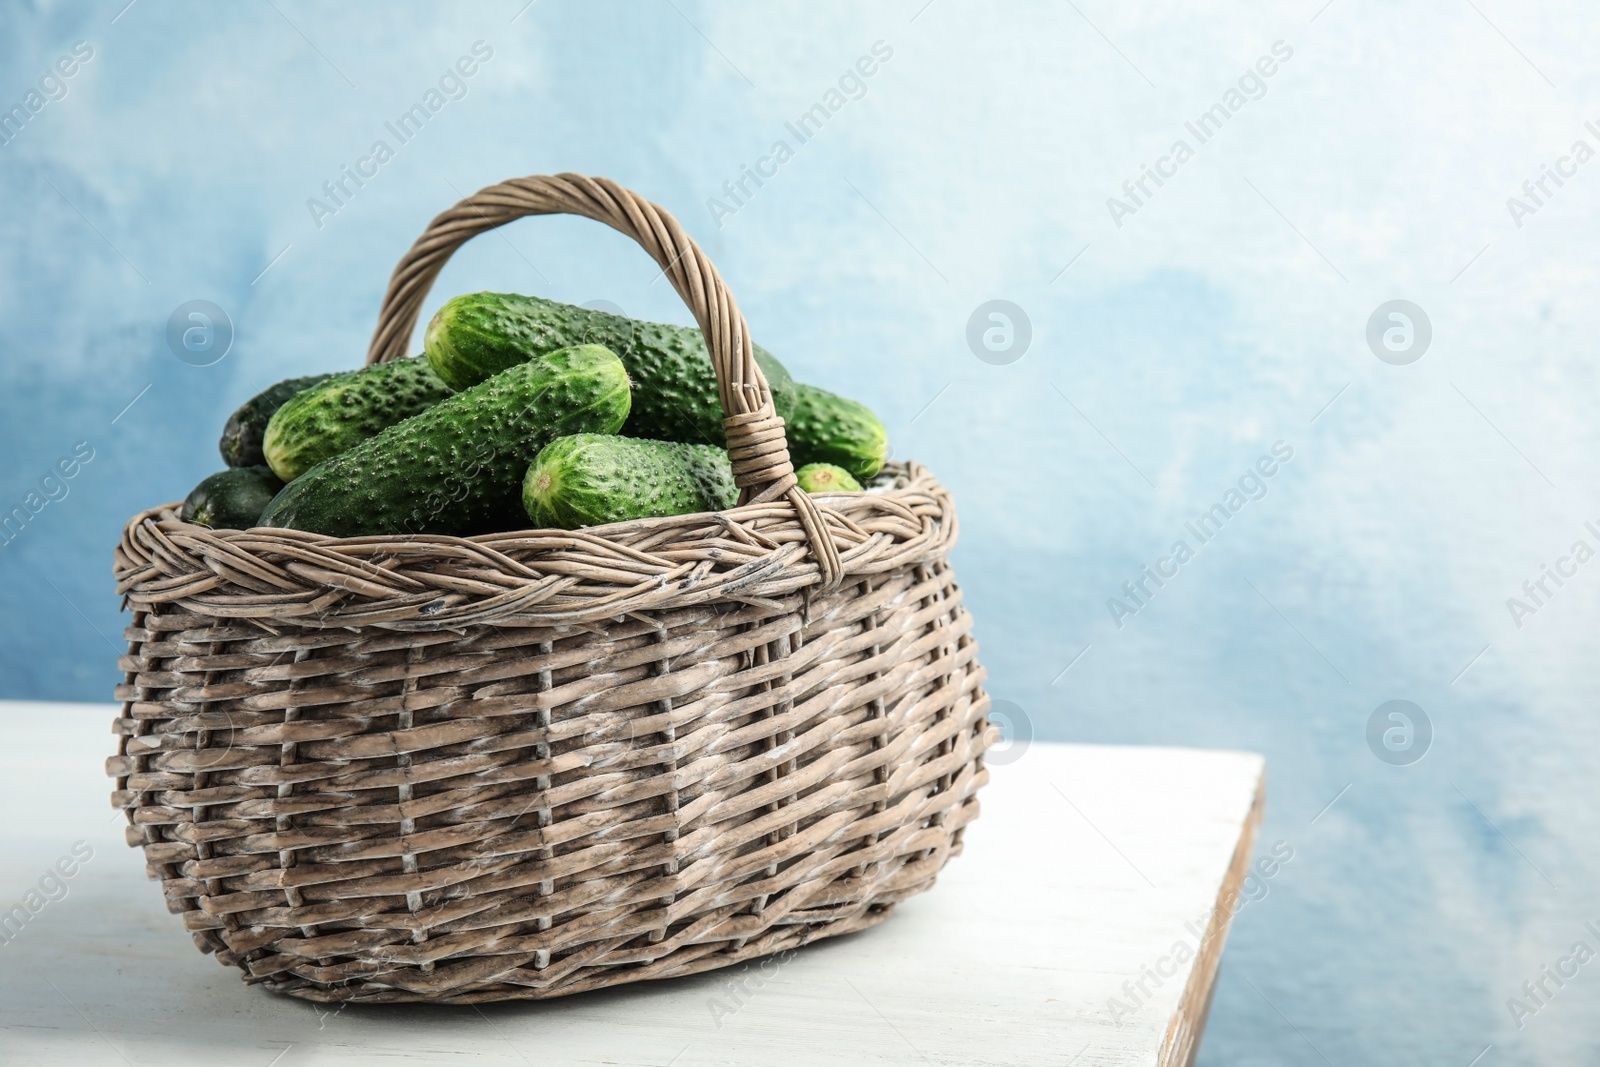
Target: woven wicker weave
{"points": [[532, 763]]}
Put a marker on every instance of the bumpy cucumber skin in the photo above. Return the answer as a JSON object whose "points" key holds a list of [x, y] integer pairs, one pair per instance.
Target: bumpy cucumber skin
{"points": [[674, 386], [241, 437], [232, 499], [824, 427], [457, 467], [338, 414], [826, 478], [591, 479]]}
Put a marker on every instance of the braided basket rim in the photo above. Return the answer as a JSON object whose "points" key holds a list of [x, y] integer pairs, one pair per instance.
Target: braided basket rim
{"points": [[533, 577]]}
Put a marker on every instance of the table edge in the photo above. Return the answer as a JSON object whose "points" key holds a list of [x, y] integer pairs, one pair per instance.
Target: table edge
{"points": [[1182, 1042]]}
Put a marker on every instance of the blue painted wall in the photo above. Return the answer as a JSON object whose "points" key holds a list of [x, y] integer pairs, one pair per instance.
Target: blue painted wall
{"points": [[1176, 336]]}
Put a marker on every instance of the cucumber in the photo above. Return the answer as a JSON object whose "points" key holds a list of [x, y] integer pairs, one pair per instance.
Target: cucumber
{"points": [[457, 467], [241, 437], [674, 386], [338, 414], [232, 499], [826, 478], [591, 479], [824, 427]]}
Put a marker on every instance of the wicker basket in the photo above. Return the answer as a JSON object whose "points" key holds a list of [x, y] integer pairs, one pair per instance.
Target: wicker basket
{"points": [[527, 764]]}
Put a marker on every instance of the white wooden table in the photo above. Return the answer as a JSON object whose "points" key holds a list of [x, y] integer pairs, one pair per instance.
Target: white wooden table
{"points": [[1092, 870]]}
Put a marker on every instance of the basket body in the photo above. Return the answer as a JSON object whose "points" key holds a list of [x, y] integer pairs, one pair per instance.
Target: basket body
{"points": [[526, 807]]}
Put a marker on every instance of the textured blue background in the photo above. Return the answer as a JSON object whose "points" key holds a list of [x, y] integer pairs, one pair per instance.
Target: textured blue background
{"points": [[1223, 315]]}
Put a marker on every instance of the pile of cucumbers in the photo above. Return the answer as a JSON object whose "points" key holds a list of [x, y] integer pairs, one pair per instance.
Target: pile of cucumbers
{"points": [[521, 412]]}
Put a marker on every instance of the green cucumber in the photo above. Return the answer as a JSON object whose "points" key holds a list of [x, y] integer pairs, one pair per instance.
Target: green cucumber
{"points": [[232, 499], [826, 478], [591, 479], [675, 394], [340, 413], [824, 427], [457, 467], [241, 437]]}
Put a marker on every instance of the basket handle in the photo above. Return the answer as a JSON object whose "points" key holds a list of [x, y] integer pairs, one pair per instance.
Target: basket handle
{"points": [[756, 444]]}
